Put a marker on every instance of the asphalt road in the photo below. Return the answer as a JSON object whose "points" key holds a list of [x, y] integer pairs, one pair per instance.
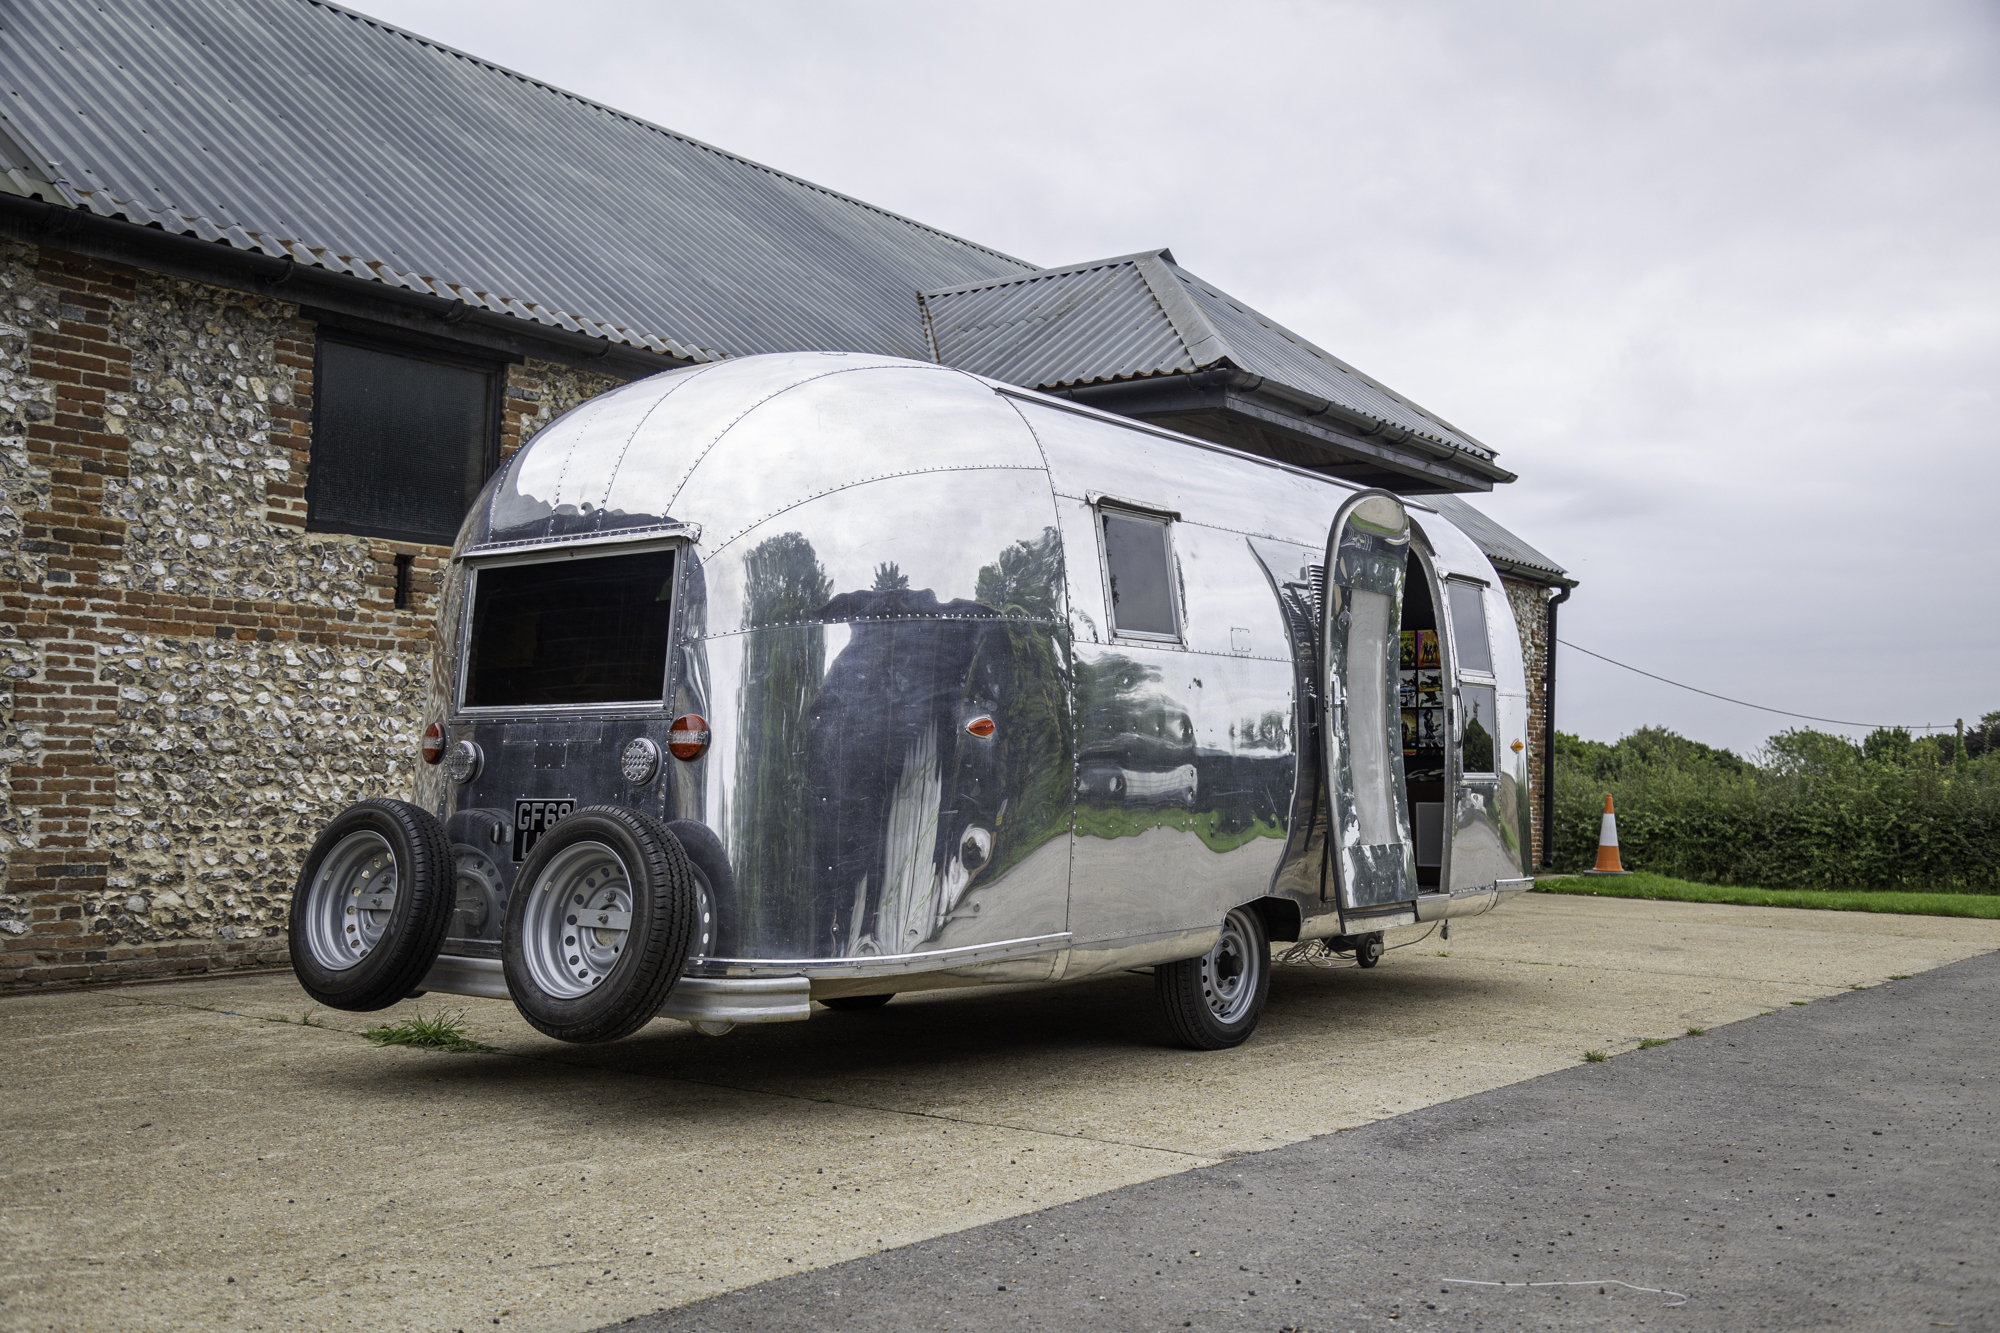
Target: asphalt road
{"points": [[1831, 1165]]}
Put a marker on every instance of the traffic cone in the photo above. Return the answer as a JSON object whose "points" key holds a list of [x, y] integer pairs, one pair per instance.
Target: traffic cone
{"points": [[1607, 845]]}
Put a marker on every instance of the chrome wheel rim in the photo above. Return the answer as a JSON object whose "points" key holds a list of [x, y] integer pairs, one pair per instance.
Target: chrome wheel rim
{"points": [[702, 938], [1228, 971], [476, 889], [351, 901], [577, 921]]}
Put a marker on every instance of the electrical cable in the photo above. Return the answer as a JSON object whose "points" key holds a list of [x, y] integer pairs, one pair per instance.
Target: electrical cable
{"points": [[1927, 726], [1315, 953]]}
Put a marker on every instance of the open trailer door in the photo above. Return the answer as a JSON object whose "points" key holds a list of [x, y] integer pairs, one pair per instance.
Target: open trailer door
{"points": [[1367, 554]]}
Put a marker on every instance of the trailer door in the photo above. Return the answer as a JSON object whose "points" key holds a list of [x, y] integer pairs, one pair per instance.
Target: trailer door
{"points": [[1366, 555]]}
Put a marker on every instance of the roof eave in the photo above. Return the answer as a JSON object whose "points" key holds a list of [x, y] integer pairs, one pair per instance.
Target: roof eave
{"points": [[1308, 408], [226, 265]]}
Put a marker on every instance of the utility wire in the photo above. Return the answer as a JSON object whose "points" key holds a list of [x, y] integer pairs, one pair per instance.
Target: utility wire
{"points": [[1928, 726]]}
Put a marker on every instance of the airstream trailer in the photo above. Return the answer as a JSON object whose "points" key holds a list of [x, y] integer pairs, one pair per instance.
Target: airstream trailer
{"points": [[825, 677]]}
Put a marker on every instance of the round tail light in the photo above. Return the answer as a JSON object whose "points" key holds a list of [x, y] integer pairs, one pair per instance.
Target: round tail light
{"points": [[688, 740], [433, 743]]}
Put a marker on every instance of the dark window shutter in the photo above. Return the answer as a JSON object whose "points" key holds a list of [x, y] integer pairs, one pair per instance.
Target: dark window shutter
{"points": [[400, 444]]}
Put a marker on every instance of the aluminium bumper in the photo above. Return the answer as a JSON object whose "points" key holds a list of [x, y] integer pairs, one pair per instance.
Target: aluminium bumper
{"points": [[711, 1000]]}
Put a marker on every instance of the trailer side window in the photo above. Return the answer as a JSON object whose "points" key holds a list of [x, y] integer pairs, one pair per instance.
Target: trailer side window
{"points": [[1475, 740], [1139, 574], [1468, 628], [570, 632]]}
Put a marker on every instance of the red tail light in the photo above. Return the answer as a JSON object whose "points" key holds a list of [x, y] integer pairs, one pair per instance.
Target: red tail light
{"points": [[688, 739], [433, 743], [981, 726]]}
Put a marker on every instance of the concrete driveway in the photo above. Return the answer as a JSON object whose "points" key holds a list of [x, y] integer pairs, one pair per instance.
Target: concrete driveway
{"points": [[193, 1155]]}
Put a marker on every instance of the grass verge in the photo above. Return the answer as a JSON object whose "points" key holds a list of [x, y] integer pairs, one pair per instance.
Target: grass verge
{"points": [[441, 1031], [1639, 884]]}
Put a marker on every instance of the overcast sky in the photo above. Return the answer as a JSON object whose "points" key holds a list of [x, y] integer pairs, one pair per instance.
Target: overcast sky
{"points": [[1720, 281]]}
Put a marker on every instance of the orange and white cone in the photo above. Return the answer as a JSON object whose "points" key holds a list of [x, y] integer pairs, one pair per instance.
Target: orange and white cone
{"points": [[1607, 845]]}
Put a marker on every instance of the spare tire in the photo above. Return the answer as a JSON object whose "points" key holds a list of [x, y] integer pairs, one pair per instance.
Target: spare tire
{"points": [[598, 924], [372, 903]]}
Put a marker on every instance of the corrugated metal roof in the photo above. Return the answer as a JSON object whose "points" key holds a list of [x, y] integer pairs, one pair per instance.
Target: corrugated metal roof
{"points": [[1500, 545], [297, 128], [1140, 315], [1071, 325]]}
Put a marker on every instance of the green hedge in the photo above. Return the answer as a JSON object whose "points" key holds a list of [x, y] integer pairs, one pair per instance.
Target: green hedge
{"points": [[1813, 811]]}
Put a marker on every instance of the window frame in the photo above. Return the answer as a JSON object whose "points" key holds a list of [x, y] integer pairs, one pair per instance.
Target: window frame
{"points": [[471, 565], [1480, 675], [1101, 505], [493, 366], [1475, 677]]}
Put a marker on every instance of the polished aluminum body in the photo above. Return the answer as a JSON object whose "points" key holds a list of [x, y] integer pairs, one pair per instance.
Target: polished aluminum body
{"points": [[934, 760]]}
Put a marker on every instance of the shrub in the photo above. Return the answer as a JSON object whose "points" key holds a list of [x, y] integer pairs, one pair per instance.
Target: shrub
{"points": [[1812, 811]]}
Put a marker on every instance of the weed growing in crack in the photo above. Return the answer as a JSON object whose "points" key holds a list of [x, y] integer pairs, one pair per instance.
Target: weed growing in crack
{"points": [[441, 1031]]}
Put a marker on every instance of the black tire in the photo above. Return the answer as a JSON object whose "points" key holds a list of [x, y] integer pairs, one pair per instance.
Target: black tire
{"points": [[714, 881], [347, 956], [1213, 1002], [1368, 949], [479, 883], [616, 978], [851, 1003]]}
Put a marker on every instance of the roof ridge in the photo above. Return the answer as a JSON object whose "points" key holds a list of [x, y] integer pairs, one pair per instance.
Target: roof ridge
{"points": [[1203, 342], [988, 284], [1319, 351], [356, 15]]}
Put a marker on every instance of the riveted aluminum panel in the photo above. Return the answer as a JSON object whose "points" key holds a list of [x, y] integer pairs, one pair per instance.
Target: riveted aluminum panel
{"points": [[1093, 455]]}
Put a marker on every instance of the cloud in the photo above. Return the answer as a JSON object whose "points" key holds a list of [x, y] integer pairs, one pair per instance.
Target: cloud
{"points": [[1719, 280]]}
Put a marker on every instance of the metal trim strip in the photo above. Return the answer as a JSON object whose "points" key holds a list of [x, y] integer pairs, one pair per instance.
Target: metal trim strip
{"points": [[882, 965], [689, 532]]}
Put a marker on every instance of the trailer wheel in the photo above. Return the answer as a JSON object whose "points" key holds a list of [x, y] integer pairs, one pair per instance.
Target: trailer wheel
{"points": [[714, 881], [1368, 949], [373, 901], [850, 1003], [598, 925], [1213, 1002]]}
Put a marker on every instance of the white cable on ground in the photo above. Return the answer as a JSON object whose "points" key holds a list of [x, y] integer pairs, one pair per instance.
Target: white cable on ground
{"points": [[1314, 953], [1599, 1284]]}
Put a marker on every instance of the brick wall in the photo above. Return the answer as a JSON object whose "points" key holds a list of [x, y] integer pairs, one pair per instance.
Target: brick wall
{"points": [[190, 683], [1531, 613]]}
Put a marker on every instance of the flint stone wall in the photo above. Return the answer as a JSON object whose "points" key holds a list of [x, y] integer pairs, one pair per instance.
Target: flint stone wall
{"points": [[1531, 613], [190, 683]]}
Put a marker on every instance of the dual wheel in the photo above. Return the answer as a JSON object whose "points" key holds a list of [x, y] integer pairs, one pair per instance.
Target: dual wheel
{"points": [[606, 910]]}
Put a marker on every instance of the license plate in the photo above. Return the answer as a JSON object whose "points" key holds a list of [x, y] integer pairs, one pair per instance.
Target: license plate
{"points": [[534, 818]]}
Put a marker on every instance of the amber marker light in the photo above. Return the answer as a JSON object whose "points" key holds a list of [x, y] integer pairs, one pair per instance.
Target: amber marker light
{"points": [[688, 739], [981, 726], [433, 743]]}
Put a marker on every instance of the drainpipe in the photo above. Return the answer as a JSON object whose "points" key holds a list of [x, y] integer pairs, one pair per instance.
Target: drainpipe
{"points": [[1549, 734]]}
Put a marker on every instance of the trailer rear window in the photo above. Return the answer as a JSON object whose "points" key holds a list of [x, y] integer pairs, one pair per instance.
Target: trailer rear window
{"points": [[579, 631]]}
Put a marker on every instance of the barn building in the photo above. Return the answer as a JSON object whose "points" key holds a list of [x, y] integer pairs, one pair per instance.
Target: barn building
{"points": [[283, 284]]}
